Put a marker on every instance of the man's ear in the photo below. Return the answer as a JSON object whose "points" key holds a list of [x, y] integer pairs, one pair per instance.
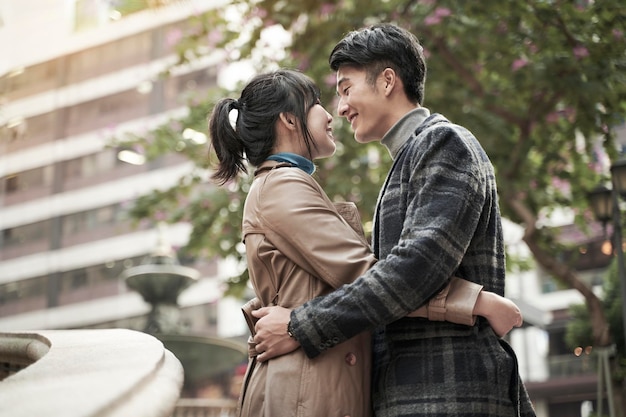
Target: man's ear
{"points": [[389, 78], [288, 120]]}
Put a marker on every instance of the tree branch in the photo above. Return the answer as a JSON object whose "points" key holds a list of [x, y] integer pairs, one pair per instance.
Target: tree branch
{"points": [[601, 333]]}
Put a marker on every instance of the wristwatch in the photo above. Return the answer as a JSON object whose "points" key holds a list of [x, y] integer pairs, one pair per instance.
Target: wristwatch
{"points": [[289, 332]]}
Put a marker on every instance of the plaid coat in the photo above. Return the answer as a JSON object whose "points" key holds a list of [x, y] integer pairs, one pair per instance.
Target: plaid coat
{"points": [[437, 216]]}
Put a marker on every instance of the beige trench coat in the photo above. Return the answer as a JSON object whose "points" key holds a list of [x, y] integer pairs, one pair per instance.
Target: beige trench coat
{"points": [[298, 247]]}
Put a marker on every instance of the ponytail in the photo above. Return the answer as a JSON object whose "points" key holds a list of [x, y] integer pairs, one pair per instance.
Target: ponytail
{"points": [[226, 142]]}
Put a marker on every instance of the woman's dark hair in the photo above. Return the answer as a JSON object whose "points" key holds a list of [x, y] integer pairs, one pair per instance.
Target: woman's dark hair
{"points": [[381, 46], [262, 101]]}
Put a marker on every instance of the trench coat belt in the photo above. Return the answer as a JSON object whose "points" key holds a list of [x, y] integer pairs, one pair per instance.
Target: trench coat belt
{"points": [[252, 348]]}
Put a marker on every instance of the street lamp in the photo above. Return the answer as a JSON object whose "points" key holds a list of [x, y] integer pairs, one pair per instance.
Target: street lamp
{"points": [[605, 205]]}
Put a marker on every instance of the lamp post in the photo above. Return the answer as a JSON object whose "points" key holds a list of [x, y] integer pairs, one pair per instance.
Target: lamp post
{"points": [[605, 205]]}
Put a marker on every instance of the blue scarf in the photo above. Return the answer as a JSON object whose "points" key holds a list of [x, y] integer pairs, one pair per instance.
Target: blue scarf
{"points": [[294, 159]]}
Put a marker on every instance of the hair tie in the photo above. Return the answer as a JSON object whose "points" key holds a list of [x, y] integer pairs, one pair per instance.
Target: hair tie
{"points": [[233, 117]]}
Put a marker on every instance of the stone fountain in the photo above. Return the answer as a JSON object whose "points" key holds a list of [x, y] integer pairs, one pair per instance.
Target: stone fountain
{"points": [[160, 279]]}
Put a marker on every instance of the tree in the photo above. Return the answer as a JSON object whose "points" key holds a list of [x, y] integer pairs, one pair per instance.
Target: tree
{"points": [[541, 84], [578, 335]]}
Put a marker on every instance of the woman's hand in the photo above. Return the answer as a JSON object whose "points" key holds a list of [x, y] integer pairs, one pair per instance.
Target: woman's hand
{"points": [[502, 313]]}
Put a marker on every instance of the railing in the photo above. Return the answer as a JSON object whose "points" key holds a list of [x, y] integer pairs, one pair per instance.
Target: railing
{"points": [[87, 373], [570, 365]]}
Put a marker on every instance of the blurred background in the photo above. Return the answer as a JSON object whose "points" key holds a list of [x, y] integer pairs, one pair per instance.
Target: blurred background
{"points": [[108, 220]]}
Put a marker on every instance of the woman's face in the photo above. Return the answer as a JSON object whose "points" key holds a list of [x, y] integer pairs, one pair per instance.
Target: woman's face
{"points": [[320, 122]]}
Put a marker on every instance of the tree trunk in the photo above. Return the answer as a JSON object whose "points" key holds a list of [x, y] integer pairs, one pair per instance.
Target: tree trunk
{"points": [[562, 272], [601, 333]]}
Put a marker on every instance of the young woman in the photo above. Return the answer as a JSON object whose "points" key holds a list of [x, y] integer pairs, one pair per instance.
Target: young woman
{"points": [[300, 245]]}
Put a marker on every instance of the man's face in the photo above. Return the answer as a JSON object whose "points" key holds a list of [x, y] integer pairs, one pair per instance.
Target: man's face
{"points": [[362, 104]]}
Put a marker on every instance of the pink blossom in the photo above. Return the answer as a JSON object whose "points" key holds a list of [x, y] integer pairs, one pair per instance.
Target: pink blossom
{"points": [[330, 80], [326, 9], [258, 12], [173, 37], [618, 34], [519, 64], [304, 64], [442, 12], [214, 37], [432, 20], [580, 52], [552, 117], [561, 185]]}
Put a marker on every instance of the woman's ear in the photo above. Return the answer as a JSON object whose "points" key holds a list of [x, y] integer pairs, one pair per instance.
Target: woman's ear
{"points": [[288, 120]]}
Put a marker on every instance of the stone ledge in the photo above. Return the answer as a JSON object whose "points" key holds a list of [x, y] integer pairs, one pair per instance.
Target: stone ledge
{"points": [[89, 373]]}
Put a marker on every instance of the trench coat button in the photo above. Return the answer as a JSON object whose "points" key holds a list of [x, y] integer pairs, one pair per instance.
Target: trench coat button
{"points": [[351, 359]]}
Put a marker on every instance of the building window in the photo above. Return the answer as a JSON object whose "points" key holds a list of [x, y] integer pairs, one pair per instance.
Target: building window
{"points": [[20, 290], [92, 282], [28, 180], [85, 221], [25, 234], [89, 165]]}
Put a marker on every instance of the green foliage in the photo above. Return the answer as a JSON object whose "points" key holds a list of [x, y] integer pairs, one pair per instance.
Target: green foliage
{"points": [[540, 83], [612, 303], [579, 331]]}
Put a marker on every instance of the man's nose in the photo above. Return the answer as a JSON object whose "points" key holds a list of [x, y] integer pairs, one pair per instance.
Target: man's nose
{"points": [[342, 108]]}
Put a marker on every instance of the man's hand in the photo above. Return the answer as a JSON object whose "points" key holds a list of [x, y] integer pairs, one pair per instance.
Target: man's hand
{"points": [[502, 313], [271, 336]]}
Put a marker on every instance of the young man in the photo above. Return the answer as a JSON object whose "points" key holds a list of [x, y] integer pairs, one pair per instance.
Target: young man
{"points": [[437, 217]]}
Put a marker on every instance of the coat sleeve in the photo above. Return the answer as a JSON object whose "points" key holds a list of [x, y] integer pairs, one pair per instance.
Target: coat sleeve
{"points": [[447, 191], [306, 227]]}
